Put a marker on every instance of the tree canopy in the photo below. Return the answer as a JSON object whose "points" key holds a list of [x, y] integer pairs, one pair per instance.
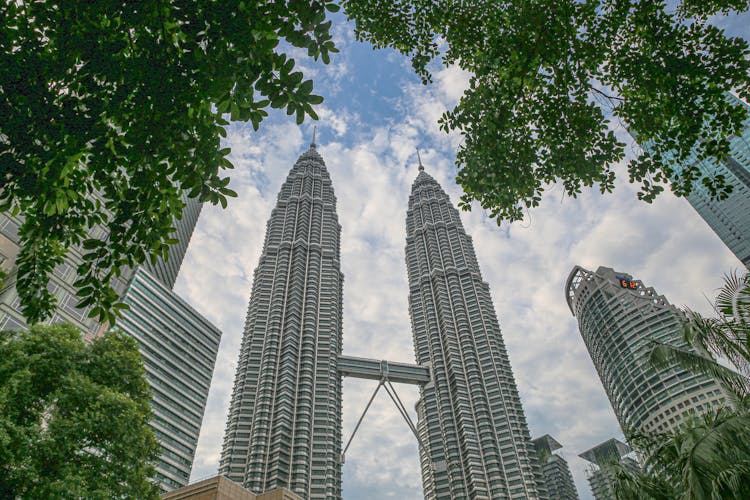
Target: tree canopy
{"points": [[550, 78], [112, 110], [74, 416]]}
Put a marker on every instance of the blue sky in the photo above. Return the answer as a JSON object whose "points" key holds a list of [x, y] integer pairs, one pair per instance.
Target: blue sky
{"points": [[374, 116]]}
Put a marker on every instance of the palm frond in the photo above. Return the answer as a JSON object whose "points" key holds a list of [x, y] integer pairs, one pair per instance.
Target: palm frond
{"points": [[726, 336], [718, 338], [639, 485], [665, 356], [734, 481], [733, 300]]}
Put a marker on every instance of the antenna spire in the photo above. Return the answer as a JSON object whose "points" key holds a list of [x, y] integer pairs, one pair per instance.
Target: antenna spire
{"points": [[312, 144], [421, 167]]}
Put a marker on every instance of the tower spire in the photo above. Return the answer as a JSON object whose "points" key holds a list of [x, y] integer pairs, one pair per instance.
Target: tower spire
{"points": [[312, 144], [421, 167]]}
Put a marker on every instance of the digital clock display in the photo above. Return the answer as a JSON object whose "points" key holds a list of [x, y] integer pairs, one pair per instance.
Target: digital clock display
{"points": [[626, 283]]}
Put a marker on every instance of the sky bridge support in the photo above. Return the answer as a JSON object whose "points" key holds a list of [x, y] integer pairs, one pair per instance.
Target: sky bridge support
{"points": [[386, 372]]}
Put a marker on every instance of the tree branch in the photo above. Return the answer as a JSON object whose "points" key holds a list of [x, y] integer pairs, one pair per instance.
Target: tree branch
{"points": [[607, 96]]}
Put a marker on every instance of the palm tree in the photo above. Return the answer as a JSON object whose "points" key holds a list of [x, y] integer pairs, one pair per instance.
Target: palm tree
{"points": [[708, 457], [723, 338]]}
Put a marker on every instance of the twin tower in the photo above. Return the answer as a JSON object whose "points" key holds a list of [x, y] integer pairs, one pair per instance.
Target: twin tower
{"points": [[284, 424]]}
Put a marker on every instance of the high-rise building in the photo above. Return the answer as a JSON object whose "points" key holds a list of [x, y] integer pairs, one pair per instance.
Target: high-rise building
{"points": [[64, 275], [179, 348], [728, 217], [178, 345], [555, 471], [165, 270], [475, 441], [619, 318], [60, 283], [601, 479], [284, 423]]}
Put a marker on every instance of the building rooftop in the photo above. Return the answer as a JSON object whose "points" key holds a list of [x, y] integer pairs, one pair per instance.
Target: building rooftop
{"points": [[223, 488], [546, 443], [608, 451]]}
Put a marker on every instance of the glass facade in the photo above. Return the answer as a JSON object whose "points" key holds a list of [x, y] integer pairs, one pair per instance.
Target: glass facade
{"points": [[165, 270], [179, 348], [64, 275], [619, 317], [472, 427], [60, 283], [178, 345], [729, 218], [284, 423]]}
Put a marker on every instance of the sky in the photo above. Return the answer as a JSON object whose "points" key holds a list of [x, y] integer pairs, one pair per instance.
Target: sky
{"points": [[375, 114]]}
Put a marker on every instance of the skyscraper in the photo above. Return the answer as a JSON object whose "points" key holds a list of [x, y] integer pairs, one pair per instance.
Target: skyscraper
{"points": [[178, 345], [179, 348], [555, 471], [475, 441], [165, 270], [284, 424], [729, 217], [601, 479], [60, 283], [62, 279], [619, 317]]}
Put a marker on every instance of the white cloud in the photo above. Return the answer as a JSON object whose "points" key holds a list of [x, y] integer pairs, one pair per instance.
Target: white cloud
{"points": [[372, 165], [338, 122]]}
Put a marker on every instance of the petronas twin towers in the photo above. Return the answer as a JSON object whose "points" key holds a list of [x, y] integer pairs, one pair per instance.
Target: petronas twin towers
{"points": [[284, 425]]}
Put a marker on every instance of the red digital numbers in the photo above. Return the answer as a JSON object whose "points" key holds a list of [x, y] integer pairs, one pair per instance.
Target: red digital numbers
{"points": [[630, 284]]}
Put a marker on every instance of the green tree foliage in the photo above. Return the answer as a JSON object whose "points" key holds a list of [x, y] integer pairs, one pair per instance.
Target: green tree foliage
{"points": [[708, 456], [725, 336], [112, 109], [73, 416], [549, 79]]}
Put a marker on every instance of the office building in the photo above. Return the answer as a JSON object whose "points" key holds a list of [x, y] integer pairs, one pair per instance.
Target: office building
{"points": [[284, 423], [619, 317], [60, 283], [558, 480], [64, 275], [473, 432], [601, 479], [178, 345], [179, 348], [728, 217], [165, 270]]}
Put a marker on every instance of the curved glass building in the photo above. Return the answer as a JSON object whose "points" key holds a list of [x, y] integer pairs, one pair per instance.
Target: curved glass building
{"points": [[618, 317]]}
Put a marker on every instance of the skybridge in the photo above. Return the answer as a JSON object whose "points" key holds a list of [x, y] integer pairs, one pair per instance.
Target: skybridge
{"points": [[386, 372], [373, 369]]}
